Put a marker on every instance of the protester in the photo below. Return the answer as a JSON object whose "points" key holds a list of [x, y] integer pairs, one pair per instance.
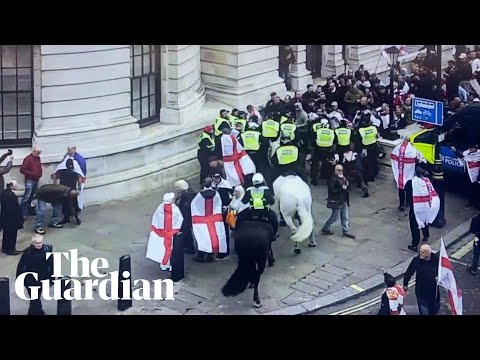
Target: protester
{"points": [[11, 218], [425, 265], [183, 199], [32, 169], [392, 298]]}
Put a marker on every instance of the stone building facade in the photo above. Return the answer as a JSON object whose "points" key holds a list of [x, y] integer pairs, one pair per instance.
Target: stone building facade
{"points": [[135, 111]]}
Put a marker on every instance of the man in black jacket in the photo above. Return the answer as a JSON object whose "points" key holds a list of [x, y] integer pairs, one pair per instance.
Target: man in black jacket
{"points": [[34, 260], [426, 288], [11, 218], [339, 202], [4, 170], [475, 229], [55, 195], [183, 199], [206, 148]]}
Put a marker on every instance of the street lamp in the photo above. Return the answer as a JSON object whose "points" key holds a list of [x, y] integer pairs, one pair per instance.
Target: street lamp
{"points": [[393, 52]]}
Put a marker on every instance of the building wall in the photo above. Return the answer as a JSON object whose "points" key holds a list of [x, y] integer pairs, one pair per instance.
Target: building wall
{"points": [[82, 98]]}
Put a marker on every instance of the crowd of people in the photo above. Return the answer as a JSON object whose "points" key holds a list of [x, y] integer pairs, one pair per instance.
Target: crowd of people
{"points": [[329, 132]]}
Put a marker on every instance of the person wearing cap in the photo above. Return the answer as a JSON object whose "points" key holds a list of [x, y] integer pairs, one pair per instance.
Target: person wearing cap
{"points": [[343, 137], [34, 260], [32, 169], [223, 188], [255, 144], [11, 218], [366, 142], [323, 139], [425, 266], [55, 195], [233, 117], [260, 199], [221, 122], [183, 199], [206, 148], [392, 298], [285, 160]]}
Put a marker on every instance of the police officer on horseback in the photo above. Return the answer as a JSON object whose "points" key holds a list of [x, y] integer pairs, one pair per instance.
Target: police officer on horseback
{"points": [[260, 199]]}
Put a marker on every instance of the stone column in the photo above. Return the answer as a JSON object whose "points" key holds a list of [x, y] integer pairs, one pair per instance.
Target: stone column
{"points": [[333, 63], [183, 93], [301, 77], [85, 97], [241, 75], [368, 55]]}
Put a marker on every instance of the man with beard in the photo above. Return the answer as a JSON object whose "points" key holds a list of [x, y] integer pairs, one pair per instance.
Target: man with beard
{"points": [[183, 199], [352, 101], [333, 94]]}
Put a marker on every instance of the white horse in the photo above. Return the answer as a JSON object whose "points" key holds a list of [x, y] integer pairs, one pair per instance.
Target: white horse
{"points": [[293, 196]]}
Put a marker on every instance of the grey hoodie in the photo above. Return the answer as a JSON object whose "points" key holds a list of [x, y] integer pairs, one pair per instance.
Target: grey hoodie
{"points": [[301, 119]]}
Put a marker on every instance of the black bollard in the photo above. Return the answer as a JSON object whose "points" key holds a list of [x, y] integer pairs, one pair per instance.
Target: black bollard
{"points": [[177, 258], [125, 266], [4, 296], [438, 183], [64, 306]]}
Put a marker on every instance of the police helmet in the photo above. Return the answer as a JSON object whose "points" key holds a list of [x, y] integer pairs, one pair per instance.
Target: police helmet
{"points": [[258, 179]]}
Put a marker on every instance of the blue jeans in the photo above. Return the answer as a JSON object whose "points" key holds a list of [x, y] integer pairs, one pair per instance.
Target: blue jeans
{"points": [[30, 190], [344, 218], [428, 306], [42, 207], [463, 93]]}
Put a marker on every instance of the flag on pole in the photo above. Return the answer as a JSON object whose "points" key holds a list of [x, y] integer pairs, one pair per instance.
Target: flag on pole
{"points": [[401, 48], [446, 279]]}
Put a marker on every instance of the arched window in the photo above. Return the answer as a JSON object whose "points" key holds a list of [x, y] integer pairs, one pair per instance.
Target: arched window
{"points": [[145, 83], [16, 95]]}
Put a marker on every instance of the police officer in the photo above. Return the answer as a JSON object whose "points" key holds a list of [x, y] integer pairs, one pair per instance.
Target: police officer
{"points": [[260, 199], [343, 136], [233, 117], [270, 128], [288, 127], [221, 122], [206, 148], [242, 120], [255, 145], [286, 160], [322, 149], [367, 141]]}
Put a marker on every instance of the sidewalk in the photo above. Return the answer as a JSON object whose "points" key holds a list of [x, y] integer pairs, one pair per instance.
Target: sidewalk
{"points": [[296, 284]]}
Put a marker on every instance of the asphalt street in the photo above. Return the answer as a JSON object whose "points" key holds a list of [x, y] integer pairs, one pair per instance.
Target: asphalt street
{"points": [[460, 256]]}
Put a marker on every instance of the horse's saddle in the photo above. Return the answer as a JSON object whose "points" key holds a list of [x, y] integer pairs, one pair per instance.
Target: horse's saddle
{"points": [[263, 219]]}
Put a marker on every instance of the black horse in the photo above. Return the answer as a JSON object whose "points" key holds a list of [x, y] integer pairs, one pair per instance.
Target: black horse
{"points": [[253, 244]]}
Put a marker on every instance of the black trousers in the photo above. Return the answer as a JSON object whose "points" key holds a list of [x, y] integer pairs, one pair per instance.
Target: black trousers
{"points": [[415, 230], [67, 210], [35, 305], [476, 254], [473, 193], [204, 167], [371, 162], [9, 241], [405, 194], [188, 238], [319, 162]]}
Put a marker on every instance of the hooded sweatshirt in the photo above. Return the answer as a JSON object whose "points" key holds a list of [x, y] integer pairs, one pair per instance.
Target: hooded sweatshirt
{"points": [[301, 119]]}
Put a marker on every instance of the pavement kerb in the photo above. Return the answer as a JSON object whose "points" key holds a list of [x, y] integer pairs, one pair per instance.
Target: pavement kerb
{"points": [[372, 283]]}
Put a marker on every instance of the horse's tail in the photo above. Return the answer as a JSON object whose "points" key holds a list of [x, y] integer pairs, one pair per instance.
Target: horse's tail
{"points": [[240, 278], [306, 228]]}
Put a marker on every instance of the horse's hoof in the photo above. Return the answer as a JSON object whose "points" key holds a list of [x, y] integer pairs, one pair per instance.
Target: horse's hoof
{"points": [[271, 263], [251, 286], [257, 304], [312, 245], [297, 251]]}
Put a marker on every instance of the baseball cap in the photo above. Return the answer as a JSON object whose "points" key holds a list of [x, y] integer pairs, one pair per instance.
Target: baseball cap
{"points": [[223, 111], [217, 175], [273, 93], [476, 100]]}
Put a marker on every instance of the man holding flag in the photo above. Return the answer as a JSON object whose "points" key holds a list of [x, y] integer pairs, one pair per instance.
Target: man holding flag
{"points": [[446, 279], [425, 265], [471, 156]]}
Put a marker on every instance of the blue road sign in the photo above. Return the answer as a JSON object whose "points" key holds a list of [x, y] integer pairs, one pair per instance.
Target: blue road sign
{"points": [[427, 111]]}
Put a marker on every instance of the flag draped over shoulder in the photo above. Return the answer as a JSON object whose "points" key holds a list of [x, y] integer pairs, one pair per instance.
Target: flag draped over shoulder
{"points": [[79, 171], [446, 279]]}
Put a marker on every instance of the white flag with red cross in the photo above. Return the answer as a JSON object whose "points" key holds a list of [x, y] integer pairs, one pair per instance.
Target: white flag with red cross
{"points": [[446, 279]]}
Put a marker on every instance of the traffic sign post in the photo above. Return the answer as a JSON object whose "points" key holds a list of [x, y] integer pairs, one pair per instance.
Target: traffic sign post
{"points": [[427, 111]]}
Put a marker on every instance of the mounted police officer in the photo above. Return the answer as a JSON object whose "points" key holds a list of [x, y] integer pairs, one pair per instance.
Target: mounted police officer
{"points": [[286, 159], [322, 149], [367, 141], [260, 199]]}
